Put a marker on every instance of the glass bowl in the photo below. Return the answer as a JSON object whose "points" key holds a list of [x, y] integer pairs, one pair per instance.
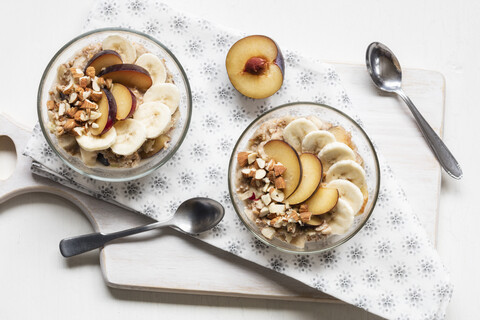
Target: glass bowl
{"points": [[365, 149], [146, 166]]}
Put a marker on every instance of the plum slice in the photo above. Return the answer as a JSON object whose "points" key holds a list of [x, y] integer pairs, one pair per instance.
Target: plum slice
{"points": [[125, 100], [108, 108], [282, 152], [255, 66], [129, 75], [103, 59]]}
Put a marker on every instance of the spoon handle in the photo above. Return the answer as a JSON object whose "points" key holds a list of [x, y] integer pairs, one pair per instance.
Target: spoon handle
{"points": [[444, 156], [72, 246]]}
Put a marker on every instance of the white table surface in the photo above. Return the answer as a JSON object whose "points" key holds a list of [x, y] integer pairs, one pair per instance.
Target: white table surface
{"points": [[36, 282]]}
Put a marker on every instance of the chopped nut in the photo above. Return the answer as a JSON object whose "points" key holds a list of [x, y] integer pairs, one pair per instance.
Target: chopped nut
{"points": [[108, 83], [277, 195], [266, 199], [276, 222], [260, 174], [87, 104], [266, 186], [71, 112], [259, 204], [76, 73], [50, 105], [261, 163], [59, 131], [271, 175], [84, 81], [100, 81], [81, 116], [303, 208], [276, 208], [94, 115], [242, 159], [270, 165], [293, 216], [268, 232], [279, 169], [95, 125], [246, 172], [96, 95], [264, 211], [247, 194], [69, 125], [78, 131], [280, 183], [86, 94], [68, 89], [80, 91], [90, 72], [62, 108], [251, 158], [305, 216], [95, 84], [271, 215], [73, 97]]}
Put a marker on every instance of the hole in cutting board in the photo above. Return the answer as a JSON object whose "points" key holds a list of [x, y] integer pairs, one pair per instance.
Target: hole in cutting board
{"points": [[8, 157]]}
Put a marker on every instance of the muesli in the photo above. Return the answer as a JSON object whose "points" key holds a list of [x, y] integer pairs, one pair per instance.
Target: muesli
{"points": [[114, 104], [301, 179]]}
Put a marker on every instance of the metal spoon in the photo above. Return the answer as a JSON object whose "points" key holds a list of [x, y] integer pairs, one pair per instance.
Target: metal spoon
{"points": [[386, 73], [193, 216]]}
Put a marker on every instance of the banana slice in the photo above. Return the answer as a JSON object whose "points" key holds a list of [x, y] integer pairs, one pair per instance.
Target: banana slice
{"points": [[155, 116], [341, 217], [296, 130], [347, 170], [89, 158], [122, 46], [154, 66], [348, 192], [90, 142], [334, 152], [166, 93], [314, 141], [131, 134]]}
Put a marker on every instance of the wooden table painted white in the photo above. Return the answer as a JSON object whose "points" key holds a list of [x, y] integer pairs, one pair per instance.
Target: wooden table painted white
{"points": [[35, 281]]}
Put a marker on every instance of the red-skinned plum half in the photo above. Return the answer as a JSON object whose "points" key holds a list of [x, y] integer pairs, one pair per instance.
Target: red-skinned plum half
{"points": [[255, 66], [129, 75], [103, 59], [108, 108], [125, 100]]}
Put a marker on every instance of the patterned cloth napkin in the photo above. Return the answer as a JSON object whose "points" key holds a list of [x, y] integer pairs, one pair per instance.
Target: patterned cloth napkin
{"points": [[389, 268]]}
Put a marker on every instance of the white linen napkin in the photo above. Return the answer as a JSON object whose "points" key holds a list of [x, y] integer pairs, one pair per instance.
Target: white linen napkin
{"points": [[389, 268]]}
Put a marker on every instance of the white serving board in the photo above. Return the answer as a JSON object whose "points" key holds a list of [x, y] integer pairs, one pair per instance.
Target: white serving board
{"points": [[165, 260]]}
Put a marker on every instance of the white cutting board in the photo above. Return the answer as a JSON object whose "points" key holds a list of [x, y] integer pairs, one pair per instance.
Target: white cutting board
{"points": [[165, 260]]}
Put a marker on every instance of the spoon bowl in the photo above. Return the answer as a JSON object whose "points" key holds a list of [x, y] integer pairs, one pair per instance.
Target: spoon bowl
{"points": [[384, 67], [198, 215]]}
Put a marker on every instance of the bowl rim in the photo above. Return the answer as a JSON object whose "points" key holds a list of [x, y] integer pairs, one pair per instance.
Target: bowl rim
{"points": [[231, 184], [174, 148]]}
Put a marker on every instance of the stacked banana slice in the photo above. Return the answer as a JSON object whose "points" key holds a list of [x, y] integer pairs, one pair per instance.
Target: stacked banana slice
{"points": [[341, 171]]}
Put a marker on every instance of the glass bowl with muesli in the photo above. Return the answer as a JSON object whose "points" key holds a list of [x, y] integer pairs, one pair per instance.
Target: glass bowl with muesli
{"points": [[114, 104], [304, 177]]}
